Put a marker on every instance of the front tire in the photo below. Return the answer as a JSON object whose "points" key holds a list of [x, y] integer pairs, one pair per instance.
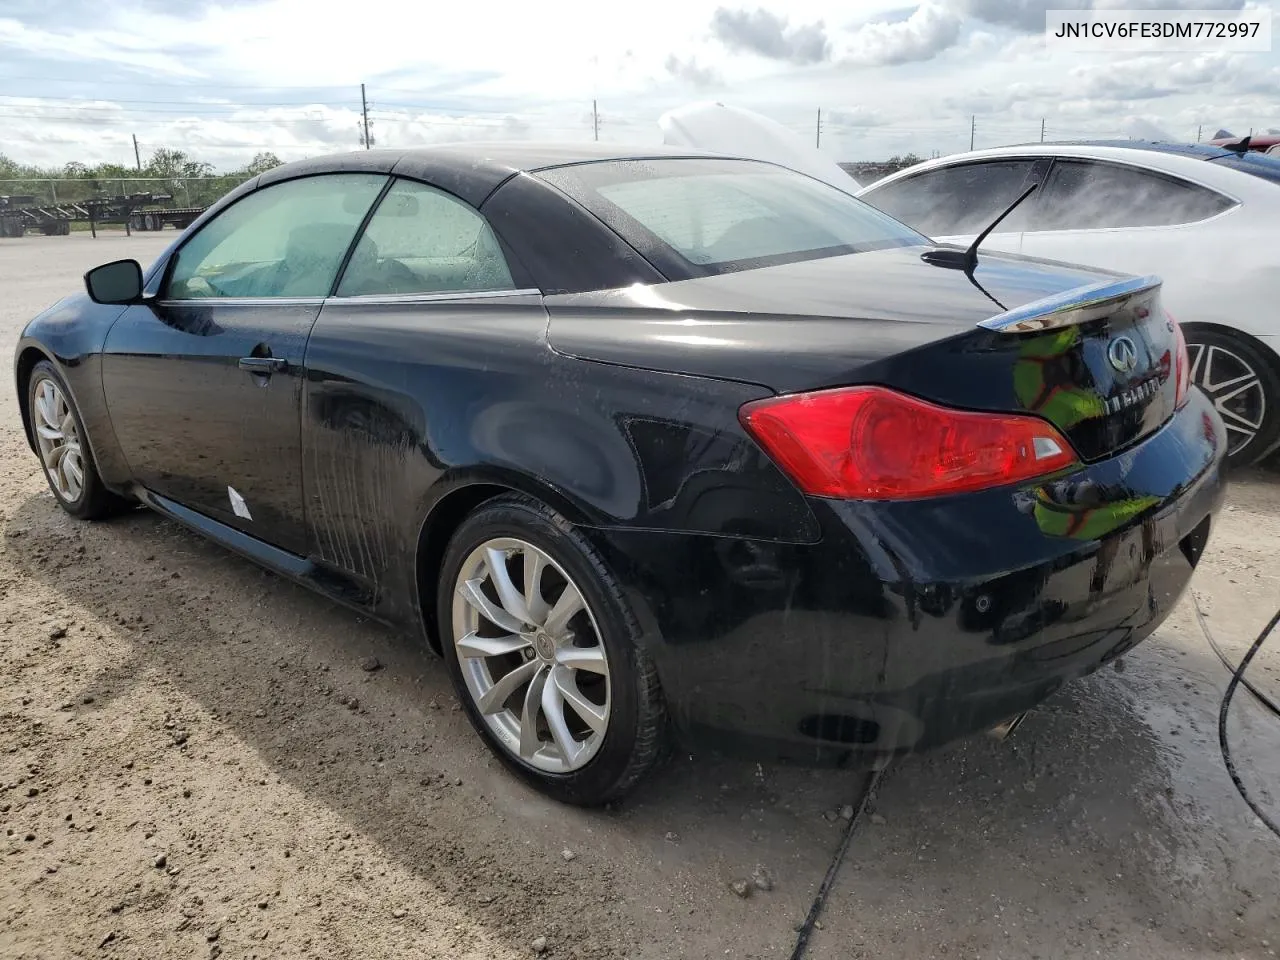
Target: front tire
{"points": [[62, 446], [545, 654], [1241, 381]]}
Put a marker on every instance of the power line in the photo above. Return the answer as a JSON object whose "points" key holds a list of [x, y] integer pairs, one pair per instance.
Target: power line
{"points": [[95, 82], [132, 121], [110, 101], [169, 116]]}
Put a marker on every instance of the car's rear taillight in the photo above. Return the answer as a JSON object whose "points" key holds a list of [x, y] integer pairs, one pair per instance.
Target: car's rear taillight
{"points": [[1181, 366], [874, 443]]}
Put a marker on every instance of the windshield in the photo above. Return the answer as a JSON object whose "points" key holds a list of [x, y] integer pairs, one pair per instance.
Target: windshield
{"points": [[694, 217]]}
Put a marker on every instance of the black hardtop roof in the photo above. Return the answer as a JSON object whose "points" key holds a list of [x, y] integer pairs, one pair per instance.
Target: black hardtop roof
{"points": [[473, 170]]}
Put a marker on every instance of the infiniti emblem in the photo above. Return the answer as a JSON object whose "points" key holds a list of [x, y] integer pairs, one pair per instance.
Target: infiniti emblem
{"points": [[1122, 354]]}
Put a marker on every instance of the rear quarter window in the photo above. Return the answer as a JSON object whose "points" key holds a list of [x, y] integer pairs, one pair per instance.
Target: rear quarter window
{"points": [[1094, 195]]}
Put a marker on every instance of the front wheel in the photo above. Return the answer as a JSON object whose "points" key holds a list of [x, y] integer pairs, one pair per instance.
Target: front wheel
{"points": [[1241, 380], [63, 449], [546, 656]]}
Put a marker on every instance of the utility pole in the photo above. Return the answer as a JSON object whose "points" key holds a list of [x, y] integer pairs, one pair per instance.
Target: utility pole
{"points": [[364, 112], [1042, 129], [137, 157], [1199, 130], [595, 121], [973, 127], [817, 140]]}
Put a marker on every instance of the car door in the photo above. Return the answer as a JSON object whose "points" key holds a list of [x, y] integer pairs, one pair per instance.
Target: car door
{"points": [[953, 204], [203, 384], [1122, 217], [400, 367]]}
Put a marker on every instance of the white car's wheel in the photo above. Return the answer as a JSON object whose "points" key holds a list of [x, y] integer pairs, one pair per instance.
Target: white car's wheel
{"points": [[1242, 382]]}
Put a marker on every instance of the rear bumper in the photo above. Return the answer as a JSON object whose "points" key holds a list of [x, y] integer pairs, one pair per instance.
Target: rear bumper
{"points": [[911, 624]]}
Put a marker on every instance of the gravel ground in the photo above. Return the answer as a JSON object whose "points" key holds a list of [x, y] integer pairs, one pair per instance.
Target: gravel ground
{"points": [[193, 763]]}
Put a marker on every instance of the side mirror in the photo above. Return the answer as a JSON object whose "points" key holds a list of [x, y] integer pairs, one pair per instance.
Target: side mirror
{"points": [[116, 282]]}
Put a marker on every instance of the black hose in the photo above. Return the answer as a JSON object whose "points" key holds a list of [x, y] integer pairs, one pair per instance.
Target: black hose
{"points": [[819, 901], [1257, 694], [1222, 725], [1238, 680]]}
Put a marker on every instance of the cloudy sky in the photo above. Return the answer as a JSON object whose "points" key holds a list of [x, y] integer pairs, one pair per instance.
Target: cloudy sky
{"points": [[223, 80]]}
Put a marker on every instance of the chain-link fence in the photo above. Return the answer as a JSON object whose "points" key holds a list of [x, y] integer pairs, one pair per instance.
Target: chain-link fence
{"points": [[185, 192]]}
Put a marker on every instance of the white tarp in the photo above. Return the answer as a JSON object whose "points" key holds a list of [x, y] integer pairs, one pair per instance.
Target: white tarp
{"points": [[733, 130]]}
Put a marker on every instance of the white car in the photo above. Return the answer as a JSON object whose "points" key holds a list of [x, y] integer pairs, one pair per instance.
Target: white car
{"points": [[1205, 219]]}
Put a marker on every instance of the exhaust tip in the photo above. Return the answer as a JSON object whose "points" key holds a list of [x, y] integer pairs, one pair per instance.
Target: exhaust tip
{"points": [[1002, 731]]}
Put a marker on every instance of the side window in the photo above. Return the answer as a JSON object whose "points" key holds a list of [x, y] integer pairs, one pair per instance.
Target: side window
{"points": [[1084, 195], [956, 200], [285, 240], [421, 240]]}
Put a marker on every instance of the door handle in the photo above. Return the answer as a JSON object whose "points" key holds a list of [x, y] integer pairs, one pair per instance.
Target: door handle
{"points": [[264, 366]]}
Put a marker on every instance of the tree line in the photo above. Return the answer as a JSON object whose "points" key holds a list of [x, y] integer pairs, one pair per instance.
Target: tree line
{"points": [[189, 181]]}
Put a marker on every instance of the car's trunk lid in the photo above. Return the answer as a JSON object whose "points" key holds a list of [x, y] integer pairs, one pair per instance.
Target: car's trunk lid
{"points": [[1020, 335], [1099, 363]]}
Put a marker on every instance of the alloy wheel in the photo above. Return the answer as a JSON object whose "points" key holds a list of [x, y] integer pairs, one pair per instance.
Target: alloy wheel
{"points": [[58, 440], [531, 655], [1234, 388]]}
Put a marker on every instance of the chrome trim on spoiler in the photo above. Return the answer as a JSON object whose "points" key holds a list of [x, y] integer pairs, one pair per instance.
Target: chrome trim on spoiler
{"points": [[1072, 306]]}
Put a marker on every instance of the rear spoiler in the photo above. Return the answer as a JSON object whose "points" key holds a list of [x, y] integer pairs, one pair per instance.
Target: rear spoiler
{"points": [[1071, 307]]}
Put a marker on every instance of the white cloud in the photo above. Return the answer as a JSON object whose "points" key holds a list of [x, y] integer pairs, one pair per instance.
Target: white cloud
{"points": [[931, 29], [225, 80], [90, 46]]}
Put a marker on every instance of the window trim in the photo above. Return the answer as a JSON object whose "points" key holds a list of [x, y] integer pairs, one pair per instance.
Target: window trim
{"points": [[163, 288], [241, 301], [450, 295], [367, 298], [1176, 179]]}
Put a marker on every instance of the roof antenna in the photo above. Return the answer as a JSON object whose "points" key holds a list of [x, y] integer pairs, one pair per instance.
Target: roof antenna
{"points": [[1240, 146], [967, 260]]}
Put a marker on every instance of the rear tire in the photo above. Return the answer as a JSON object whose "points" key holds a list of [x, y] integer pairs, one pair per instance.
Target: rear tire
{"points": [[1242, 381], [63, 448], [519, 679]]}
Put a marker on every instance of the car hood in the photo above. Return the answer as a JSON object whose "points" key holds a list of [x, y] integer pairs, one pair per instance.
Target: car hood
{"points": [[802, 324], [741, 133]]}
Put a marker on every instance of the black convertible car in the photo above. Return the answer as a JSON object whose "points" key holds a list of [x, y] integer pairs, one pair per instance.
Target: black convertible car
{"points": [[648, 444]]}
